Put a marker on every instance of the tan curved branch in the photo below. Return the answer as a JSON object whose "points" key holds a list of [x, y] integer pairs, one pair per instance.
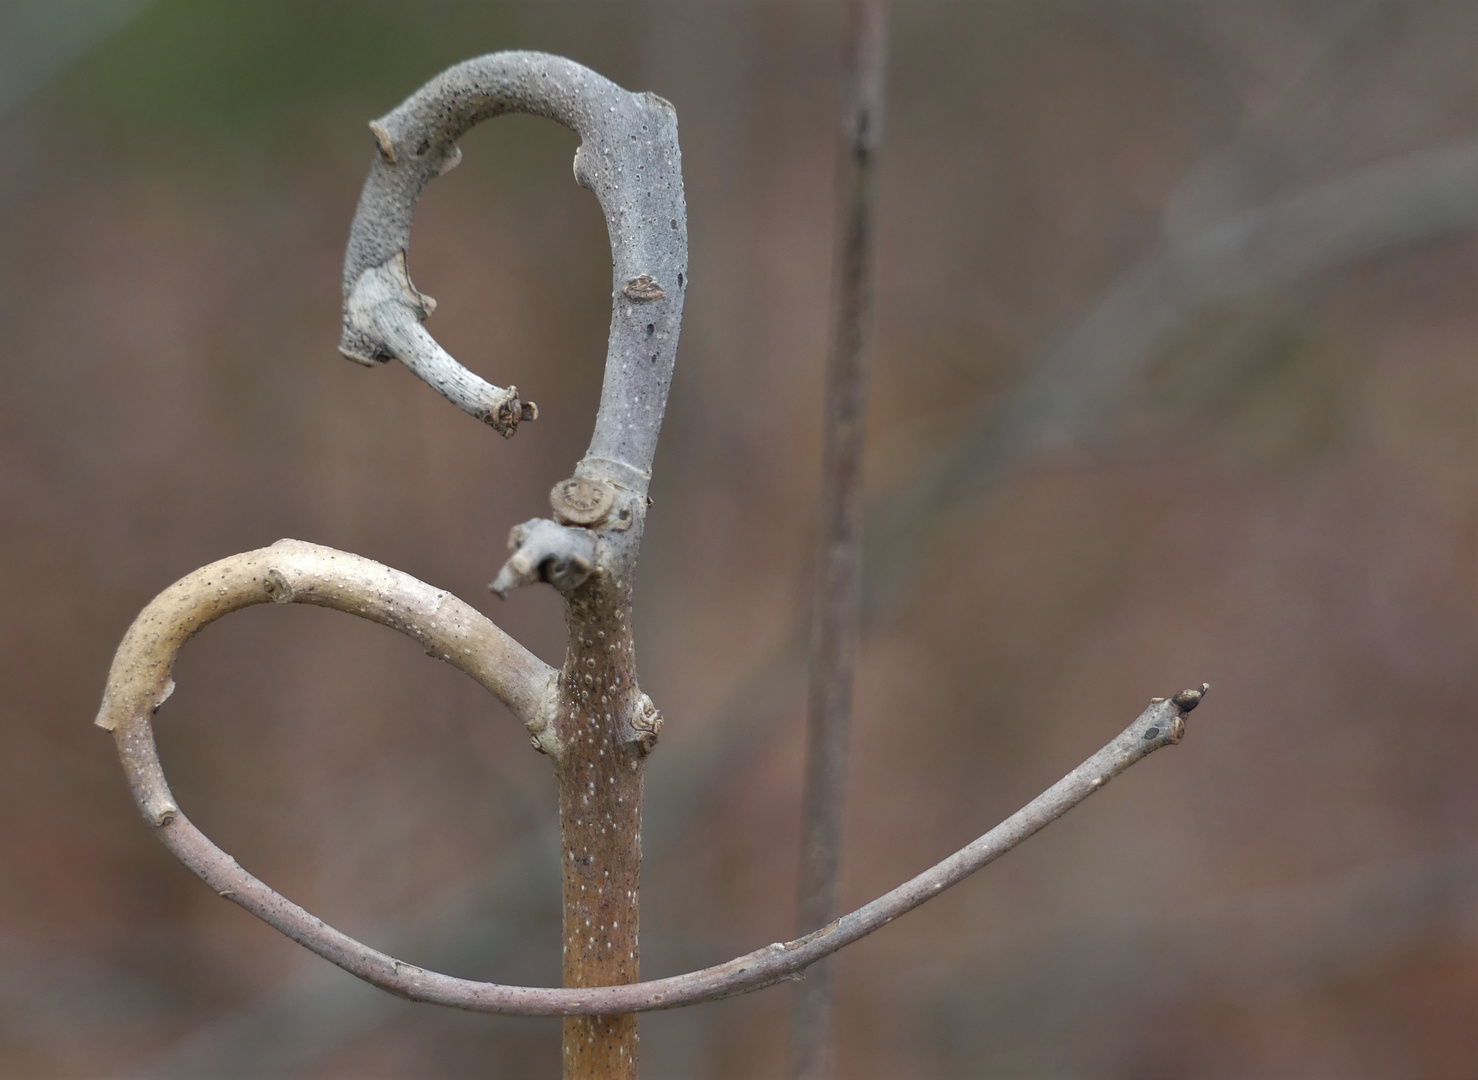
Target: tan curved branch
{"points": [[292, 571]]}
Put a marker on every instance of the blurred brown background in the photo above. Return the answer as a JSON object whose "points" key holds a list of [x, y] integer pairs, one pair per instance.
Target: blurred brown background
{"points": [[1174, 380]]}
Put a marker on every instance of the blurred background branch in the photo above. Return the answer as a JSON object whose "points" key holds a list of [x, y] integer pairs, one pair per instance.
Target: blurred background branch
{"points": [[836, 590]]}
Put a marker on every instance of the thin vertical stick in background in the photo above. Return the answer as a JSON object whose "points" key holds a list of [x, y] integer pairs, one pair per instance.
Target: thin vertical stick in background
{"points": [[836, 608]]}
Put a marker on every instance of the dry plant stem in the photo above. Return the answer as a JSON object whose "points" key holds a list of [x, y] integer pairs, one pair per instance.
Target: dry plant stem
{"points": [[291, 571], [836, 615], [602, 726]]}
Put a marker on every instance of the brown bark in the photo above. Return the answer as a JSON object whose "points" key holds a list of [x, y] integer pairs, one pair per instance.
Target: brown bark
{"points": [[600, 804]]}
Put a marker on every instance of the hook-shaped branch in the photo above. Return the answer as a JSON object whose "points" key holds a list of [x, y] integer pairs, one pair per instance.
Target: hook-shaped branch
{"points": [[628, 156]]}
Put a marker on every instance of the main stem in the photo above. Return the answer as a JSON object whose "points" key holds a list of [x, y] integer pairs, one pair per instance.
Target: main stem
{"points": [[836, 607], [600, 798]]}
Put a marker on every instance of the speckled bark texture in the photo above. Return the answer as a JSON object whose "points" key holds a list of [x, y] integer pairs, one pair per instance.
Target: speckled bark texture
{"points": [[600, 804]]}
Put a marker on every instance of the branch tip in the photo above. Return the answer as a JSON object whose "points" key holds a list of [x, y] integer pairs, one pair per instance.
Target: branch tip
{"points": [[1187, 700]]}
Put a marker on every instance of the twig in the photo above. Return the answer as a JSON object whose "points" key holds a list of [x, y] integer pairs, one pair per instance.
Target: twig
{"points": [[140, 682], [836, 614]]}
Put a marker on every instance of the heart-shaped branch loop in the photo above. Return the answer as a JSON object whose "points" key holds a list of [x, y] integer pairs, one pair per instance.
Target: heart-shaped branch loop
{"points": [[628, 156]]}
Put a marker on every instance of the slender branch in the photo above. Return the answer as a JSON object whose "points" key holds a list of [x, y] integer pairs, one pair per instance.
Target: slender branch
{"points": [[836, 614], [385, 301], [142, 682]]}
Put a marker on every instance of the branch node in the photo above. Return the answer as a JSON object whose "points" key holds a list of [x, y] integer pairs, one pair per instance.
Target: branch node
{"points": [[542, 727], [646, 725], [506, 417], [582, 501], [450, 160], [643, 289], [545, 551], [278, 589]]}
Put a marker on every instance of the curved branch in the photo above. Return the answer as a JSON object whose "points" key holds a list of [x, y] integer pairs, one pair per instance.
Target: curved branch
{"points": [[628, 157], [292, 571], [1162, 724]]}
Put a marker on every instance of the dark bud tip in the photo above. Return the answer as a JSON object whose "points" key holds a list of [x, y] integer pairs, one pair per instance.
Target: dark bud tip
{"points": [[1187, 700]]}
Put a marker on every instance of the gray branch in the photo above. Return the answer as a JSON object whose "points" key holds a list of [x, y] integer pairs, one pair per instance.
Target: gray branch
{"points": [[386, 303], [628, 157]]}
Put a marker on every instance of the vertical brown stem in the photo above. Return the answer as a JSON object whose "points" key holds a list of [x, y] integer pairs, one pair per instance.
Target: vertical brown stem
{"points": [[835, 618], [600, 797]]}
